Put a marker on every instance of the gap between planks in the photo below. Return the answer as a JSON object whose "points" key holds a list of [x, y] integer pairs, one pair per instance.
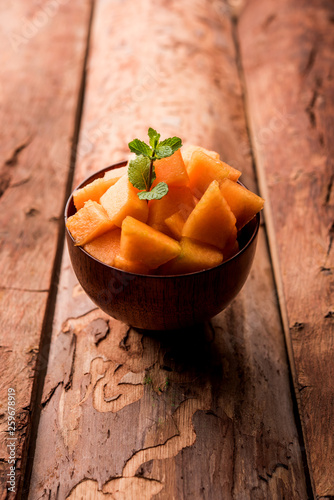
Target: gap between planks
{"points": [[260, 183], [45, 342]]}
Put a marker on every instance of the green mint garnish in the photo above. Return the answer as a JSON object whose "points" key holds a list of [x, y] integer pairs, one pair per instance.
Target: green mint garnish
{"points": [[154, 137], [156, 193], [140, 148], [168, 147], [141, 170]]}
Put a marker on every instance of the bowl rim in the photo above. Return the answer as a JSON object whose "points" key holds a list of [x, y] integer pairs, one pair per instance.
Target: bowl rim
{"points": [[123, 163]]}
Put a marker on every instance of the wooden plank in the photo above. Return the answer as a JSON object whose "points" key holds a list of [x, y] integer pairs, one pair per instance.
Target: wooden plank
{"points": [[41, 71], [287, 55], [202, 413]]}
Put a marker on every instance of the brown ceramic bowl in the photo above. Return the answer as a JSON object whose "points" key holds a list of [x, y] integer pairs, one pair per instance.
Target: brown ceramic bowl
{"points": [[162, 302]]}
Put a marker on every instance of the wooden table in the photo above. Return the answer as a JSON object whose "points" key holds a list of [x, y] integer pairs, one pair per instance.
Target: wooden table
{"points": [[242, 407]]}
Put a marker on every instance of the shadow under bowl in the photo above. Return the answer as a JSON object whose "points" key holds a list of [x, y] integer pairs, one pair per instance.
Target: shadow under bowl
{"points": [[162, 302]]}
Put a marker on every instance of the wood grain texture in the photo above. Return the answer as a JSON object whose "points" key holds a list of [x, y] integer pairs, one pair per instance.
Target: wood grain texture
{"points": [[41, 68], [199, 413], [287, 55]]}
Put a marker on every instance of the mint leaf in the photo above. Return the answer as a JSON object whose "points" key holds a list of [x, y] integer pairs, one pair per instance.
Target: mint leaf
{"points": [[139, 172], [174, 143], [163, 151], [154, 137], [140, 148], [158, 192]]}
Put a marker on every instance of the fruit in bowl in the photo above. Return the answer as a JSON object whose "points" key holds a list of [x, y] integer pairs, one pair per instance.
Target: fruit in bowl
{"points": [[165, 240]]}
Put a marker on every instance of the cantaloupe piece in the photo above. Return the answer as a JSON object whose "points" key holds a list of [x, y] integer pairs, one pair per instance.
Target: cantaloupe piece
{"points": [[171, 170], [131, 266], [105, 247], [140, 242], [188, 150], [122, 200], [194, 256], [95, 189], [212, 220], [243, 203], [178, 199], [175, 224], [203, 169], [116, 173], [88, 223]]}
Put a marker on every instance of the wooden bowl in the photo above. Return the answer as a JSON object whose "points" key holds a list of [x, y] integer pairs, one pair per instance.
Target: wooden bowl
{"points": [[162, 302]]}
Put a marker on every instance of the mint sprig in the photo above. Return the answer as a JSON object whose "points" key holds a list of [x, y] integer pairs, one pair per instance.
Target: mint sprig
{"points": [[141, 170]]}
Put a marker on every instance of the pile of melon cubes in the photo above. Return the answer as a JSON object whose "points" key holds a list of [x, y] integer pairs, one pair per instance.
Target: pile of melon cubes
{"points": [[192, 228]]}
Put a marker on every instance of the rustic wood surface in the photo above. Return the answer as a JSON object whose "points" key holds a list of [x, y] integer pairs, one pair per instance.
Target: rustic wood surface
{"points": [[41, 70], [202, 413], [287, 55]]}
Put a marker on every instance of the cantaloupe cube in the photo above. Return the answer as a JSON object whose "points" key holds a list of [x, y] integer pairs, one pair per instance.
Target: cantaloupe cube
{"points": [[194, 256], [140, 242], [203, 169], [171, 170], [212, 220], [116, 173], [94, 190], [105, 247], [175, 224], [88, 223], [188, 150], [178, 199], [243, 203], [122, 200], [131, 266]]}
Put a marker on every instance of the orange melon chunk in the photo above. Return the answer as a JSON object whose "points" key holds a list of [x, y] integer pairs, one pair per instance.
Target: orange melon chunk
{"points": [[94, 190], [243, 203], [203, 169], [105, 247], [175, 224], [88, 223], [131, 266], [212, 220], [140, 242], [171, 170], [178, 199], [116, 173], [121, 200], [188, 150], [194, 256]]}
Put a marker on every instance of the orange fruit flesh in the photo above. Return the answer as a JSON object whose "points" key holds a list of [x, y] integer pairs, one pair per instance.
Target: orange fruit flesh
{"points": [[212, 221], [94, 190], [140, 242], [106, 247], [175, 224], [188, 150], [194, 256], [131, 266], [88, 223], [171, 170], [243, 203], [121, 200], [178, 199], [206, 230], [203, 169]]}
